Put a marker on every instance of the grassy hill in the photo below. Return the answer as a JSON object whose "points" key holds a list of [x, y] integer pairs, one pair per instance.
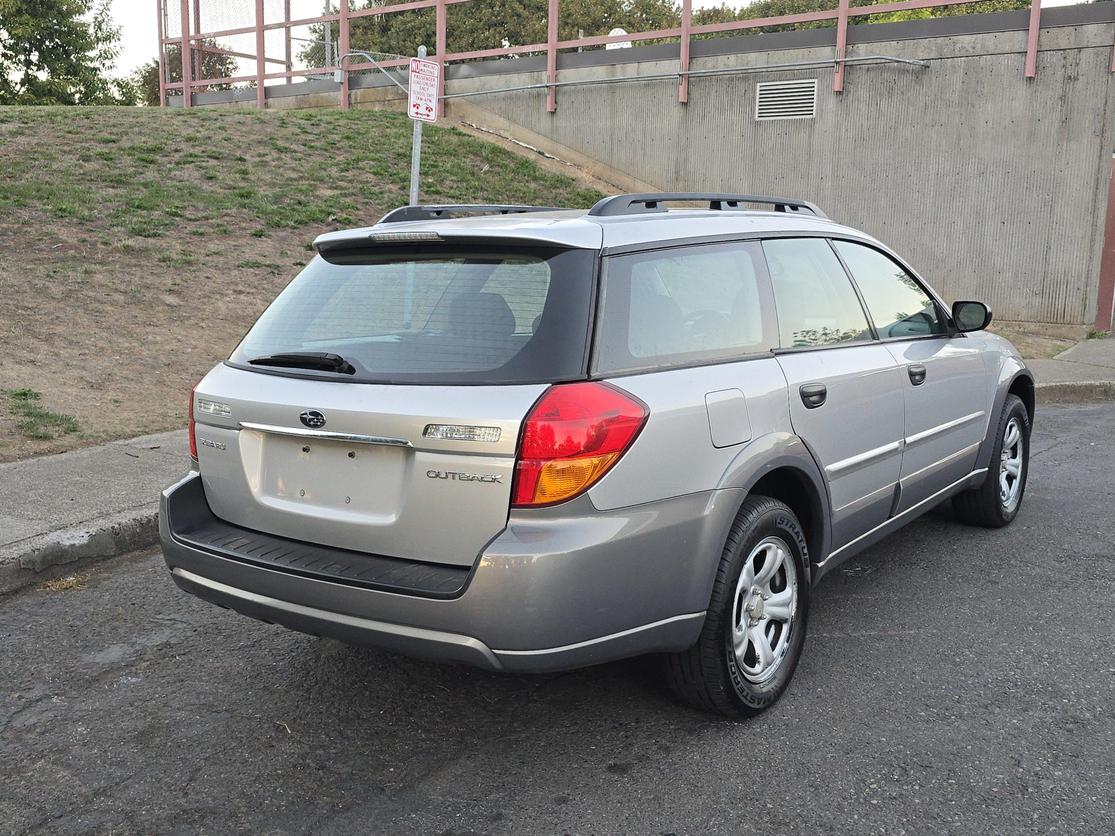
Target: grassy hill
{"points": [[139, 244]]}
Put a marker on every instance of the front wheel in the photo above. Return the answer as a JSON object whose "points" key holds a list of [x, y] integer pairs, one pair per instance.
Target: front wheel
{"points": [[755, 627], [996, 502]]}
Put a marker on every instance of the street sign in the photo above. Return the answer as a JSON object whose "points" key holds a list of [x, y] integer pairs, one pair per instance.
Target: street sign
{"points": [[422, 95]]}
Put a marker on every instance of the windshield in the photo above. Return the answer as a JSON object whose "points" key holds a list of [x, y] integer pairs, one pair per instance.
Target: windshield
{"points": [[406, 315]]}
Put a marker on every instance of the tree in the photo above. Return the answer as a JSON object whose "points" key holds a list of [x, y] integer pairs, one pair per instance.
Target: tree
{"points": [[492, 23], [57, 51], [764, 8], [774, 8], [206, 65]]}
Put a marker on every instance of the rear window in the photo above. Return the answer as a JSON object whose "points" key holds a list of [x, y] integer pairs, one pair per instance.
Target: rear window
{"points": [[426, 316], [685, 305]]}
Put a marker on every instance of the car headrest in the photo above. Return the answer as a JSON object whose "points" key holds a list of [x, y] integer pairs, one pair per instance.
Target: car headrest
{"points": [[481, 315]]}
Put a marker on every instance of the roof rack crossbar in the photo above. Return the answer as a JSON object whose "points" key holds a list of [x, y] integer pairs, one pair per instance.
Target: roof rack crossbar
{"points": [[432, 212], [630, 204]]}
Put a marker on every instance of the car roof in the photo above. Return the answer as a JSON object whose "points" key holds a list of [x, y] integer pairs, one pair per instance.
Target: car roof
{"points": [[579, 229]]}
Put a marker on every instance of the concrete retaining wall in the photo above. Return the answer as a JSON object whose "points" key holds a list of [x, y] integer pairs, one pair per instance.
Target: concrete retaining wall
{"points": [[993, 185]]}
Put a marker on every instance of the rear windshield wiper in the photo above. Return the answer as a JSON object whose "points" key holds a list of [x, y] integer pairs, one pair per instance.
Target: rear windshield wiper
{"points": [[318, 360]]}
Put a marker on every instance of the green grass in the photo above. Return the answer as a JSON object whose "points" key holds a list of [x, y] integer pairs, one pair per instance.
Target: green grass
{"points": [[160, 235], [159, 174], [34, 421]]}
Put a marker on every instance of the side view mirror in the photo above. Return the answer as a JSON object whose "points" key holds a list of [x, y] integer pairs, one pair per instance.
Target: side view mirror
{"points": [[971, 316]]}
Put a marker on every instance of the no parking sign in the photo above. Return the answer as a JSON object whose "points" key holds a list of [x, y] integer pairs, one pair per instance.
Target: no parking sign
{"points": [[422, 92]]}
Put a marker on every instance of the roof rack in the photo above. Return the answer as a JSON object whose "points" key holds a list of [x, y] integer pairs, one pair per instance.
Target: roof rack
{"points": [[430, 212], [631, 204]]}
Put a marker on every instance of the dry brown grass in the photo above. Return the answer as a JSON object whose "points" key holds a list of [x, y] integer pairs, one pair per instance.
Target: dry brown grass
{"points": [[65, 583]]}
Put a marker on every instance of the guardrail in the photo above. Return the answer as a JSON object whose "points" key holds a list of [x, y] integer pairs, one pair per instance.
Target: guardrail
{"points": [[193, 43]]}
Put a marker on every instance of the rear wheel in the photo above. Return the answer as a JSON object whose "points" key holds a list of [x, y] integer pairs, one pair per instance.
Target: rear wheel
{"points": [[755, 627], [996, 502]]}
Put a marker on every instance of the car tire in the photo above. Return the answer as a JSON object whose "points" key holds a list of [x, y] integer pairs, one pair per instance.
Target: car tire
{"points": [[745, 655], [996, 502]]}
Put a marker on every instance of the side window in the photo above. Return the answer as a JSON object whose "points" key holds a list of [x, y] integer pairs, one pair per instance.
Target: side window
{"points": [[897, 304], [817, 305], [684, 305]]}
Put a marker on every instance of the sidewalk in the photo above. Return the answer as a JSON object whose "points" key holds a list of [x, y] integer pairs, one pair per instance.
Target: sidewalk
{"points": [[83, 505], [1085, 372]]}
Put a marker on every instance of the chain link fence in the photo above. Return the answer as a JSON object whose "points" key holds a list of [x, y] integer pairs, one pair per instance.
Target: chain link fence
{"points": [[224, 42]]}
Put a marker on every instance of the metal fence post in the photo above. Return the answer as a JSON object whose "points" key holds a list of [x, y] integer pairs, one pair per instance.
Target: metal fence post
{"points": [[551, 54], [841, 46], [1105, 301], [327, 39], [286, 31], [187, 64], [416, 147], [160, 11], [439, 46], [1032, 39], [342, 48], [261, 67], [683, 55]]}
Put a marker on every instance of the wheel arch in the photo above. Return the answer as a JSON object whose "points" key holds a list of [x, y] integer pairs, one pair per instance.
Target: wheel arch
{"points": [[783, 468], [1020, 383]]}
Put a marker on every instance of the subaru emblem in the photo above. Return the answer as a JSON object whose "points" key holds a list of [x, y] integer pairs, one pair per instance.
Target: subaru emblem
{"points": [[312, 419]]}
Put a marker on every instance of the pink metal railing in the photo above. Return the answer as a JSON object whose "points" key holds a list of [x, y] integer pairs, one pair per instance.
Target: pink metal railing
{"points": [[191, 43]]}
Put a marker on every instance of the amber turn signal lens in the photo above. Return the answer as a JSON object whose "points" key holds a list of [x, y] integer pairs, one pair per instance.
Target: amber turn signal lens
{"points": [[563, 479]]}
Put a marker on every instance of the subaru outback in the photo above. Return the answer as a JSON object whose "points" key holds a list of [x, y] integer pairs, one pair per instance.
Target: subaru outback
{"points": [[532, 439]]}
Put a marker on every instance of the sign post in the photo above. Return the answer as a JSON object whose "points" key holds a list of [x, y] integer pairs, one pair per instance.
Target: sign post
{"points": [[421, 107]]}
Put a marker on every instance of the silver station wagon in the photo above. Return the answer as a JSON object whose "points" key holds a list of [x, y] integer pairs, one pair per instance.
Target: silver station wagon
{"points": [[532, 439]]}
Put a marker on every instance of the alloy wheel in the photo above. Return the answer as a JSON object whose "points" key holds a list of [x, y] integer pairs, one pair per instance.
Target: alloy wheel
{"points": [[1010, 465], [763, 611]]}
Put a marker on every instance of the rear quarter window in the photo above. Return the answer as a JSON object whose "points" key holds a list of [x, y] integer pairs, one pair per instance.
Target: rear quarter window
{"points": [[683, 306]]}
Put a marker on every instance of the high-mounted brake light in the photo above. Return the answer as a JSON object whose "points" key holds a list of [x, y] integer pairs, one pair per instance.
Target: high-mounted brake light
{"points": [[191, 427], [571, 437]]}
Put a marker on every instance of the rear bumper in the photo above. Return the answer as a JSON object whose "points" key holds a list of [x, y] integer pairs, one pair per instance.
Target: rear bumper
{"points": [[556, 589]]}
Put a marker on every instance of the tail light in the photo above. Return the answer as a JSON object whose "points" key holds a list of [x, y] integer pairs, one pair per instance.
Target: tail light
{"points": [[571, 437], [191, 428]]}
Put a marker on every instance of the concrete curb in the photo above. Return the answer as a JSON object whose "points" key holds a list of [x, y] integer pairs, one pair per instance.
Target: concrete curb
{"points": [[1077, 392], [59, 552]]}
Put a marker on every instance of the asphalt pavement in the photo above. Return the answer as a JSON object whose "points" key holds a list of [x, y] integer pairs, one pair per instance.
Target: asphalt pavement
{"points": [[954, 680]]}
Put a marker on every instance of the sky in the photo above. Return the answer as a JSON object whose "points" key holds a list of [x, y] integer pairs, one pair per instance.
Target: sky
{"points": [[139, 33], [139, 27]]}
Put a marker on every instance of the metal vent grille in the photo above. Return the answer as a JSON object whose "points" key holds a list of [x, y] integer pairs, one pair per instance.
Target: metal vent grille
{"points": [[786, 99]]}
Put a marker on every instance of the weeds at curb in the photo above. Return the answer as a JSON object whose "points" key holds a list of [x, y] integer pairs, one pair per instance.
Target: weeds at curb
{"points": [[65, 584], [35, 421]]}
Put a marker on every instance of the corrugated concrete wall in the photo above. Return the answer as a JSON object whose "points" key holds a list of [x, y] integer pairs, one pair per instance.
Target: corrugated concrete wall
{"points": [[992, 185]]}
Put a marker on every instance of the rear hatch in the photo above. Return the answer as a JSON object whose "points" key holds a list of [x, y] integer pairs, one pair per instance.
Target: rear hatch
{"points": [[376, 404]]}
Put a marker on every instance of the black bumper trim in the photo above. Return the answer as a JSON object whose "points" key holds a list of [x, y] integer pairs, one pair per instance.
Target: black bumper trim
{"points": [[192, 523]]}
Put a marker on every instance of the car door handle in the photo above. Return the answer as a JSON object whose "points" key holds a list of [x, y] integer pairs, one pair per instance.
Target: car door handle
{"points": [[813, 395], [917, 374]]}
